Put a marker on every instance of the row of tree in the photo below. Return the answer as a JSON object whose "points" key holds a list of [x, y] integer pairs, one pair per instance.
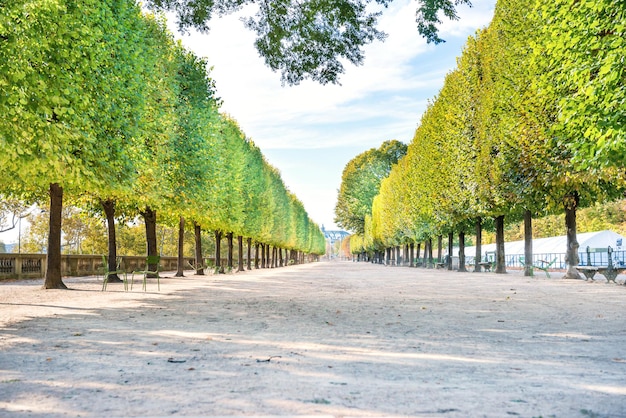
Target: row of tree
{"points": [[530, 122], [102, 109]]}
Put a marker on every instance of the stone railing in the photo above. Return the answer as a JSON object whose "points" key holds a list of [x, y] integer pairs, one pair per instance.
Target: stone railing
{"points": [[22, 266]]}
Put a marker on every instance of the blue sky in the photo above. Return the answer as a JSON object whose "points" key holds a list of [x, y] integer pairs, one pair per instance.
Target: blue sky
{"points": [[309, 132]]}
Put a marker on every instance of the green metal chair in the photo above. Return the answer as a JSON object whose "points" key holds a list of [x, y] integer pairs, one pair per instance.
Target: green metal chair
{"points": [[106, 272], [150, 260]]}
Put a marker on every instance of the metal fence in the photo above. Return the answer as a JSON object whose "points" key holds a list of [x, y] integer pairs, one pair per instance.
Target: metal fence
{"points": [[595, 257]]}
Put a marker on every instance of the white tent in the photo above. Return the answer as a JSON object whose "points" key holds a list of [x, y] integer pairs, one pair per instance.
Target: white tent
{"points": [[544, 248]]}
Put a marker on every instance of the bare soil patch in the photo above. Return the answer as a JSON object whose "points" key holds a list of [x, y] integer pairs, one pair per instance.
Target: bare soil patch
{"points": [[335, 338]]}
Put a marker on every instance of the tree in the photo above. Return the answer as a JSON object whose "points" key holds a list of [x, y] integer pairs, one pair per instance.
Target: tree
{"points": [[565, 86], [310, 38], [582, 46], [57, 61], [360, 182], [11, 211]]}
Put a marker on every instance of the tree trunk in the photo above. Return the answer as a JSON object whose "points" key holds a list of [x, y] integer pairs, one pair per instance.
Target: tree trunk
{"points": [[439, 248], [571, 256], [249, 241], [280, 257], [430, 253], [256, 255], [53, 278], [417, 253], [240, 256], [450, 248], [462, 251], [218, 252], [198, 253], [528, 243], [229, 237], [262, 256], [500, 256], [411, 254], [149, 217], [479, 247], [181, 248], [109, 211]]}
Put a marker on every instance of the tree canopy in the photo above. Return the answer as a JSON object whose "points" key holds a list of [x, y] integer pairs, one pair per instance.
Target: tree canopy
{"points": [[102, 104], [309, 38], [360, 182], [530, 120]]}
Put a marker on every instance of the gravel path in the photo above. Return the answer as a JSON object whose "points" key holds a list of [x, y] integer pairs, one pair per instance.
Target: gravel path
{"points": [[334, 338]]}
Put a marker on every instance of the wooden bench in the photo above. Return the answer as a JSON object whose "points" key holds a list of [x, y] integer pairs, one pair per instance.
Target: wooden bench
{"points": [[609, 272]]}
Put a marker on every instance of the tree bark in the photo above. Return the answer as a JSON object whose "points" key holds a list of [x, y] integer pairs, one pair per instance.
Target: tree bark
{"points": [[274, 258], [149, 217], [450, 248], [218, 252], [53, 278], [229, 237], [528, 243], [249, 253], [240, 255], [198, 252], [462, 251], [439, 248], [430, 253], [479, 246], [109, 212], [256, 255], [571, 256], [181, 248], [500, 256], [262, 256], [417, 253], [280, 257], [411, 254]]}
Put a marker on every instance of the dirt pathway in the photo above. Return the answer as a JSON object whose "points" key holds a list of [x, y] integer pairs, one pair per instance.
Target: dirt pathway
{"points": [[342, 339]]}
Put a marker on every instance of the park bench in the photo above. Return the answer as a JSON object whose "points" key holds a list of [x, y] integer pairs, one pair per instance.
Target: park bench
{"points": [[443, 263], [486, 265], [610, 272]]}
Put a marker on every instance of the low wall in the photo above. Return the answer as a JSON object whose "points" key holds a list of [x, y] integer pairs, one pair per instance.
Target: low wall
{"points": [[21, 266]]}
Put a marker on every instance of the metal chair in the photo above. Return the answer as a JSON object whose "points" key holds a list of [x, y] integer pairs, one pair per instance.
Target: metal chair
{"points": [[150, 260], [106, 272]]}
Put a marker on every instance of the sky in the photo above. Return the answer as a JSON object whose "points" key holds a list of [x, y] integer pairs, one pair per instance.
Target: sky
{"points": [[309, 132]]}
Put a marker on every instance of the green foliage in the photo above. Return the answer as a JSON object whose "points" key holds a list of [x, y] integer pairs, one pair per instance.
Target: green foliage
{"points": [[360, 183], [531, 119], [100, 98], [309, 38], [582, 49]]}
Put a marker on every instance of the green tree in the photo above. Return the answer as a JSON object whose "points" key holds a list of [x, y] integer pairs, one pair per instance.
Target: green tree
{"points": [[310, 38], [581, 50], [360, 182], [56, 63]]}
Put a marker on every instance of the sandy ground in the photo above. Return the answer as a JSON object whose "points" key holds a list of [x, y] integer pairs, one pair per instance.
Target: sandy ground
{"points": [[334, 338]]}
